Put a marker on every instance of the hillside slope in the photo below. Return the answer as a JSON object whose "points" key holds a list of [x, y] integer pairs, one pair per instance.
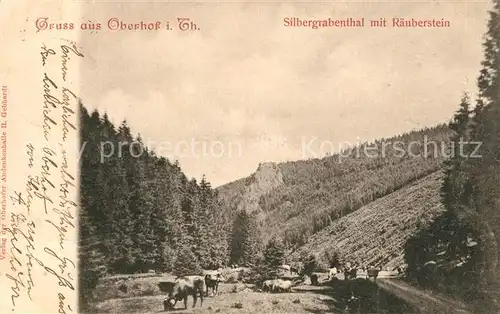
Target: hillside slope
{"points": [[375, 233], [297, 199]]}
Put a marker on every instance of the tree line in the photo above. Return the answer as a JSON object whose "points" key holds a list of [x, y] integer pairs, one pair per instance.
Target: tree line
{"points": [[462, 244]]}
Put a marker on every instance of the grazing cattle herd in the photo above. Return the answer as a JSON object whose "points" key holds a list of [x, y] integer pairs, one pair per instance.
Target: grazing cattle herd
{"points": [[200, 286]]}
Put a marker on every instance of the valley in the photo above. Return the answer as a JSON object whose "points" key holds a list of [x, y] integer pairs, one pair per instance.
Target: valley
{"points": [[361, 207]]}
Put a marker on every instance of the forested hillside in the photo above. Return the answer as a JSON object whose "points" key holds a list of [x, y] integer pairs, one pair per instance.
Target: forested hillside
{"points": [[139, 212], [306, 196]]}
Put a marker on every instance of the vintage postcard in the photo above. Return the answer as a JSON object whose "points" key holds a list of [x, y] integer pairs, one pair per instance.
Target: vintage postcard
{"points": [[250, 156]]}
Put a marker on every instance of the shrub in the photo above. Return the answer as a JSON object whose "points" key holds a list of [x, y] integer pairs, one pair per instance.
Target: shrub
{"points": [[237, 305]]}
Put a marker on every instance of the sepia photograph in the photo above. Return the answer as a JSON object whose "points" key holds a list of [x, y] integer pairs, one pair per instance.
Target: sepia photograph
{"points": [[290, 158], [251, 157]]}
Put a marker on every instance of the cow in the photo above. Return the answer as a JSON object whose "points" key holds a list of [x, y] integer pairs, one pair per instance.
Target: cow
{"points": [[427, 274], [401, 270], [353, 274], [365, 272], [346, 270], [280, 285], [314, 280], [182, 288], [350, 272], [212, 282], [373, 272], [332, 273], [268, 285], [285, 267]]}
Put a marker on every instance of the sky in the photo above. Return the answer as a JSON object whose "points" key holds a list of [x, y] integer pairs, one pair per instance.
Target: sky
{"points": [[244, 89]]}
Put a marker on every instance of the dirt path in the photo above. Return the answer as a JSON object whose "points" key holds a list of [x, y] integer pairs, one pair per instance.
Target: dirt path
{"points": [[426, 302]]}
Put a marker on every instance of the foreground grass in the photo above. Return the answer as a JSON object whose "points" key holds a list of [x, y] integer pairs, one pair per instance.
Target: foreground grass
{"points": [[241, 302]]}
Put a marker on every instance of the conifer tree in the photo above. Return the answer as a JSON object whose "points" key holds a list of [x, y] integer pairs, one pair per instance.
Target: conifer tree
{"points": [[246, 244], [165, 218], [274, 254], [220, 234], [91, 262], [204, 219], [453, 189], [186, 263], [119, 220]]}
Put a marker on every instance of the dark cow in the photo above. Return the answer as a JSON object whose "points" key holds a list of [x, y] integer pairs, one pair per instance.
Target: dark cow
{"points": [[350, 273], [427, 274], [401, 271], [353, 274], [212, 282], [314, 280], [373, 272], [182, 288]]}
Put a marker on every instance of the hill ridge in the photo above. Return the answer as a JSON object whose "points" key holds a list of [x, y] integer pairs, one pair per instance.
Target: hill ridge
{"points": [[298, 199]]}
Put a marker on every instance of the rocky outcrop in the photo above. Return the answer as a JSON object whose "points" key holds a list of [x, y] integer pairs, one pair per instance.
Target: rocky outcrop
{"points": [[267, 177]]}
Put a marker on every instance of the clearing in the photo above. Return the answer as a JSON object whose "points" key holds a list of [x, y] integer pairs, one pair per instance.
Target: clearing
{"points": [[141, 295]]}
